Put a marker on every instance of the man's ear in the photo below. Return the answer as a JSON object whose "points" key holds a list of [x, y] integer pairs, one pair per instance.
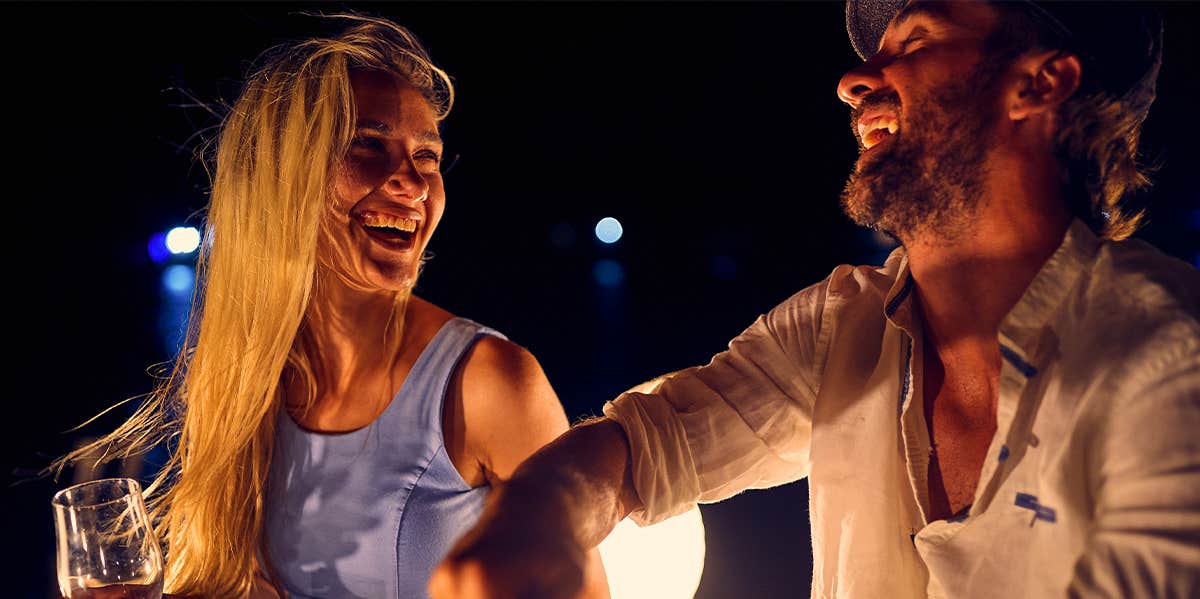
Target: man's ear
{"points": [[1045, 81]]}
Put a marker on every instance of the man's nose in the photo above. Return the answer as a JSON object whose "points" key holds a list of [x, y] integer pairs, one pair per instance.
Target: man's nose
{"points": [[859, 82], [407, 182]]}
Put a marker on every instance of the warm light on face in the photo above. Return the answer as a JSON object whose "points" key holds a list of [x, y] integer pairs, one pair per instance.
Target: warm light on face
{"points": [[663, 561]]}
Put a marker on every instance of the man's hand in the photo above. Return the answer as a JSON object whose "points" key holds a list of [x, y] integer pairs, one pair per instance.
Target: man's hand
{"points": [[537, 536], [511, 565]]}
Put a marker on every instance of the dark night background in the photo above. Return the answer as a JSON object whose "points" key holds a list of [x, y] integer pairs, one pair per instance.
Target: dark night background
{"points": [[711, 130]]}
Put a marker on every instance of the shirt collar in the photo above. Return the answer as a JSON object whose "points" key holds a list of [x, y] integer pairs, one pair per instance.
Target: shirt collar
{"points": [[1024, 323], [897, 304]]}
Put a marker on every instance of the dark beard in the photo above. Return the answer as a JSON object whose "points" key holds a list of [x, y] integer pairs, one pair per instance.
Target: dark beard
{"points": [[930, 181]]}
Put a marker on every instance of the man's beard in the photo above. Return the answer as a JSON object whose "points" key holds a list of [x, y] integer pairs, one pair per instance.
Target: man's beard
{"points": [[929, 182]]}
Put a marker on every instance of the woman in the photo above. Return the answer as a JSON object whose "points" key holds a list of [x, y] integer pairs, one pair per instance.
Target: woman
{"points": [[335, 433]]}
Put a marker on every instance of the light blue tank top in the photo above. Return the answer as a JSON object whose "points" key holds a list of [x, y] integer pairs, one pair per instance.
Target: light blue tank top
{"points": [[370, 513]]}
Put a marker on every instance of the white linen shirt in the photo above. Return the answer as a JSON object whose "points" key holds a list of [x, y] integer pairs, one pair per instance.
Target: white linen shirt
{"points": [[1091, 485]]}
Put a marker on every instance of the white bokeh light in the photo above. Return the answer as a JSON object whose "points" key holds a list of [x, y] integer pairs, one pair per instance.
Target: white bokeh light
{"points": [[183, 240], [663, 561], [609, 230]]}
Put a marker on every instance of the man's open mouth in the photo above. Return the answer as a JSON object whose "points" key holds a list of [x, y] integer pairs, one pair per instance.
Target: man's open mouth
{"points": [[874, 131]]}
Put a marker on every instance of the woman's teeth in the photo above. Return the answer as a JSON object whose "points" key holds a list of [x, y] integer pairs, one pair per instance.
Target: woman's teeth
{"points": [[388, 221]]}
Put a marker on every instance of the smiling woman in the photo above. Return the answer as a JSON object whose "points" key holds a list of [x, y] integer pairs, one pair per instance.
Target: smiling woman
{"points": [[389, 191], [335, 433]]}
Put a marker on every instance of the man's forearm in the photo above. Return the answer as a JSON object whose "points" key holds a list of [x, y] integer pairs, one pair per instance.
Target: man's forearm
{"points": [[580, 485]]}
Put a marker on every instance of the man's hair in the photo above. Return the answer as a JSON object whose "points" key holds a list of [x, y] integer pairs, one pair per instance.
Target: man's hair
{"points": [[1097, 137]]}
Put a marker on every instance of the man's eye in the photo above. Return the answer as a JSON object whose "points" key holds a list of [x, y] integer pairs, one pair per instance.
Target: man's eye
{"points": [[906, 46]]}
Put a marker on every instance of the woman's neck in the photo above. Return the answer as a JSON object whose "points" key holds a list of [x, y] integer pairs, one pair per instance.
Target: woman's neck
{"points": [[353, 334]]}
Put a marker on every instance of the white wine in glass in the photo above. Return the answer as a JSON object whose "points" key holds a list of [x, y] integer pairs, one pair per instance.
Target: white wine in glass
{"points": [[106, 547]]}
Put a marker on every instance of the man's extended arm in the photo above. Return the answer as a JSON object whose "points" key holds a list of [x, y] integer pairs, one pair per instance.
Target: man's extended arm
{"points": [[702, 434], [533, 537]]}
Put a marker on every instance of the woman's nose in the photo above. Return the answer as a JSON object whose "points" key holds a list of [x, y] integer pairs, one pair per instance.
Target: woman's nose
{"points": [[407, 182], [859, 82]]}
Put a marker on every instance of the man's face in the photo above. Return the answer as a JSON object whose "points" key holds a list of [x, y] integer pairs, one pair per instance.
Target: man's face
{"points": [[923, 107]]}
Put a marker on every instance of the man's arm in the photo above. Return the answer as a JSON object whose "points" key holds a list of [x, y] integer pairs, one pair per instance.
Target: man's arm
{"points": [[1146, 538], [534, 535], [702, 434]]}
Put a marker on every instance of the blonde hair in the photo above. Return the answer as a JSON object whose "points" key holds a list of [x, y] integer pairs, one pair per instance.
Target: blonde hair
{"points": [[278, 151]]}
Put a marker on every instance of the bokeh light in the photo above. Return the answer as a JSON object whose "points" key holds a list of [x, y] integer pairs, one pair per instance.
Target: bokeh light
{"points": [[562, 235], [157, 248], [608, 273], [178, 279], [663, 561], [724, 268], [183, 240], [609, 230]]}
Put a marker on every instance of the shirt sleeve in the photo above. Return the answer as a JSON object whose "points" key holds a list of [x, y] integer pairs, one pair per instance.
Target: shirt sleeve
{"points": [[742, 421], [1145, 541]]}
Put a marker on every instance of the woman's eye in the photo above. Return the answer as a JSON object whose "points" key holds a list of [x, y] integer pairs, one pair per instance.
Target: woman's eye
{"points": [[366, 143], [427, 156]]}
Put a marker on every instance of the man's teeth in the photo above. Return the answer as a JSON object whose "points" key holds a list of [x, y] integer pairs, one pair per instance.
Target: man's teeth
{"points": [[879, 131], [406, 225]]}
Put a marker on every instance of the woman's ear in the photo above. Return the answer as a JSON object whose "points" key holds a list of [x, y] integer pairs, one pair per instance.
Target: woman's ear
{"points": [[1045, 81]]}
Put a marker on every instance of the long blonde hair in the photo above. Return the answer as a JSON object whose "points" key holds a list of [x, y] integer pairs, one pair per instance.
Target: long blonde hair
{"points": [[278, 151]]}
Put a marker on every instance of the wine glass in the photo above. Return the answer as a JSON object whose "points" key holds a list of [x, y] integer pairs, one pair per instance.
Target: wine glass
{"points": [[106, 547]]}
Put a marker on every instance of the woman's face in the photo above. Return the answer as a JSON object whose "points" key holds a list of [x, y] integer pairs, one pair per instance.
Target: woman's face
{"points": [[388, 195]]}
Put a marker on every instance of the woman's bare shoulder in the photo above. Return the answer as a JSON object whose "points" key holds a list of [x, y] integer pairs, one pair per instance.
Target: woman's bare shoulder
{"points": [[510, 409]]}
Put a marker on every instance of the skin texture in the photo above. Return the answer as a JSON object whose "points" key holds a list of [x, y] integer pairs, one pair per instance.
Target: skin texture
{"points": [[532, 538], [972, 252], [929, 173], [500, 407]]}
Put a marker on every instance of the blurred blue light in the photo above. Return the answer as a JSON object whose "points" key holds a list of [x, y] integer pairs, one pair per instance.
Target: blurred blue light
{"points": [[609, 230], [562, 235], [183, 240], [157, 248], [724, 268], [608, 273], [178, 279]]}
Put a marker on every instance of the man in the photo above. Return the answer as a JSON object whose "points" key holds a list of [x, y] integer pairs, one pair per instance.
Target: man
{"points": [[1007, 407]]}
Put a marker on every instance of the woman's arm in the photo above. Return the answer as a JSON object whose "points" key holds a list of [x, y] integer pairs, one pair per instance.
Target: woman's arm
{"points": [[508, 412]]}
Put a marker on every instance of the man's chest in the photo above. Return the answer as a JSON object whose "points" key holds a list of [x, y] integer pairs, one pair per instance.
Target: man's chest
{"points": [[959, 446], [873, 478], [959, 409]]}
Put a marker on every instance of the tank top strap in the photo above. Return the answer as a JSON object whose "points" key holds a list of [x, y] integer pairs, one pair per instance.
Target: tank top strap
{"points": [[424, 389]]}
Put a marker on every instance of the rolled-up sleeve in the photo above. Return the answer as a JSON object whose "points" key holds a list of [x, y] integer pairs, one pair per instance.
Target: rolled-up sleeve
{"points": [[742, 421], [1146, 538]]}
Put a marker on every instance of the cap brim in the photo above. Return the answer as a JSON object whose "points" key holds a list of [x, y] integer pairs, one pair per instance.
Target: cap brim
{"points": [[866, 20]]}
